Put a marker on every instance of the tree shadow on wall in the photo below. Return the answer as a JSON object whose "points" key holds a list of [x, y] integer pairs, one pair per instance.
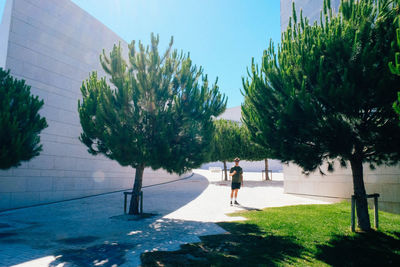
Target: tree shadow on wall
{"points": [[244, 244], [365, 249]]}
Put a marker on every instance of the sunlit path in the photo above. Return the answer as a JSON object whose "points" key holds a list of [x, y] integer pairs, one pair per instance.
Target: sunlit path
{"points": [[213, 204]]}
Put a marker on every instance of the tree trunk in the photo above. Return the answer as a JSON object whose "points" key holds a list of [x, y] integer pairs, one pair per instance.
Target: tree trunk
{"points": [[225, 171], [266, 169], [359, 191], [137, 187]]}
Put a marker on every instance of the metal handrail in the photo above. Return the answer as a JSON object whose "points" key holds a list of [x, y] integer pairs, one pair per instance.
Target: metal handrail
{"points": [[353, 210], [140, 200]]}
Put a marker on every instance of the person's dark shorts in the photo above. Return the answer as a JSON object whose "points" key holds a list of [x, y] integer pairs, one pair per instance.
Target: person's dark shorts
{"points": [[235, 185]]}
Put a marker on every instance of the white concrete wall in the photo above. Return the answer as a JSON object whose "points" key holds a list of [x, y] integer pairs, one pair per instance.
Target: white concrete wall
{"points": [[4, 30], [232, 114], [339, 184], [311, 10], [54, 45]]}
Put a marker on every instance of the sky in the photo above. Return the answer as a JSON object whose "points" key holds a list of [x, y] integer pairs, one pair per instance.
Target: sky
{"points": [[222, 36]]}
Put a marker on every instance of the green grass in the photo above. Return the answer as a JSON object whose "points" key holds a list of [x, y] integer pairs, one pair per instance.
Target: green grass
{"points": [[305, 235]]}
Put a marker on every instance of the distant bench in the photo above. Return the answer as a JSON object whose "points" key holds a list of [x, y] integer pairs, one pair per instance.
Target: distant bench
{"points": [[215, 169], [266, 177]]}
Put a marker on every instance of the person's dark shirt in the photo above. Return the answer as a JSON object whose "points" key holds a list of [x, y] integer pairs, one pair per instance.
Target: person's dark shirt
{"points": [[236, 176]]}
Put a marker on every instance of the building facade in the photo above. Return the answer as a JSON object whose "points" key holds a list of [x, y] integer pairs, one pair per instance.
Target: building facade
{"points": [[54, 45], [339, 184], [311, 9]]}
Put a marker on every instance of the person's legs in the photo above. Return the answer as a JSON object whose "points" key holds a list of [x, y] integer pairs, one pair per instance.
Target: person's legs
{"points": [[236, 193]]}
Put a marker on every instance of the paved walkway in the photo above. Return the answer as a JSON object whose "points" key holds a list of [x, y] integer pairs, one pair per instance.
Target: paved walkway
{"points": [[93, 231]]}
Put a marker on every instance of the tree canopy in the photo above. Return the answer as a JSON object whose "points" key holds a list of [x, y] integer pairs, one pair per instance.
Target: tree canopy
{"points": [[395, 68], [251, 151], [327, 93], [227, 143], [231, 140], [158, 113], [20, 122]]}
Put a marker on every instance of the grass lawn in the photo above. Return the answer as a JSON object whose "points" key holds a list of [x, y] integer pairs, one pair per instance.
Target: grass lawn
{"points": [[305, 235]]}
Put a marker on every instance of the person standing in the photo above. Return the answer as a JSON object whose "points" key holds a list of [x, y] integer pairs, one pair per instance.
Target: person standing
{"points": [[237, 180]]}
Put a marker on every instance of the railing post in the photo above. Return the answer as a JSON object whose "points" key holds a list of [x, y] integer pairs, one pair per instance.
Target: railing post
{"points": [[266, 175], [125, 196], [353, 204], [353, 224], [132, 195], [141, 202], [376, 211], [223, 173]]}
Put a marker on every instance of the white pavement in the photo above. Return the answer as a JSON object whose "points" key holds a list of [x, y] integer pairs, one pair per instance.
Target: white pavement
{"points": [[213, 204], [92, 232]]}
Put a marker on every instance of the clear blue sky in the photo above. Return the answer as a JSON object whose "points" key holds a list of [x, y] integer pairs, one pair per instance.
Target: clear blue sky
{"points": [[221, 35]]}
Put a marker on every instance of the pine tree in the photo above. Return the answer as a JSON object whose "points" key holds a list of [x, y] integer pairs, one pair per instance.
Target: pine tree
{"points": [[20, 122], [327, 93], [227, 143], [252, 151], [231, 140], [395, 68], [158, 113], [396, 104]]}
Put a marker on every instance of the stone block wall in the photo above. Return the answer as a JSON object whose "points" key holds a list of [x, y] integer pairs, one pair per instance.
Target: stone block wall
{"points": [[311, 10], [339, 184], [54, 45]]}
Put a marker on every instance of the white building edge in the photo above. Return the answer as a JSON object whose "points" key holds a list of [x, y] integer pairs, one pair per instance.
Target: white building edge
{"points": [[339, 184], [54, 45]]}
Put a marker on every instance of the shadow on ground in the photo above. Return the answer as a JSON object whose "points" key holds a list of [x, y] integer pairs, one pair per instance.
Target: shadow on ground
{"points": [[254, 248], [248, 208], [109, 254], [365, 249], [77, 240], [77, 230]]}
